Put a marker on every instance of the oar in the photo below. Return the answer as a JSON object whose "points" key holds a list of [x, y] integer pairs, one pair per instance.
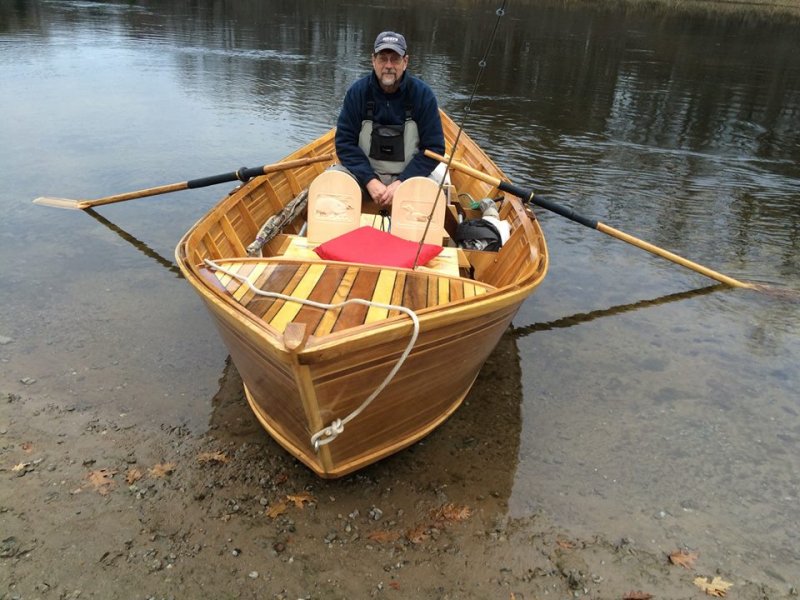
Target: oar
{"points": [[528, 196], [243, 174]]}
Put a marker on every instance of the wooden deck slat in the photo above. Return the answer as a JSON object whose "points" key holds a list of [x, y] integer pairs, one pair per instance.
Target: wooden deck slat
{"points": [[330, 317], [382, 295], [302, 291], [353, 314], [397, 293], [325, 291], [288, 290], [415, 292], [277, 280]]}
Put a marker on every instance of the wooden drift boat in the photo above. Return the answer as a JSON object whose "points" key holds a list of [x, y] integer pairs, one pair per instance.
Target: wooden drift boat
{"points": [[308, 370]]}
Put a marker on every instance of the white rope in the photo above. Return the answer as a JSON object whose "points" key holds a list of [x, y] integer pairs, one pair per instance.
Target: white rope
{"points": [[327, 434]]}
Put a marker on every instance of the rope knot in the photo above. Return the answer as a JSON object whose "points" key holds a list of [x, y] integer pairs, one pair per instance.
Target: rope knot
{"points": [[327, 435]]}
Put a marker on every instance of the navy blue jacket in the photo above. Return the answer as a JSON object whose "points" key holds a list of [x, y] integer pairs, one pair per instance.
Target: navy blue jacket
{"points": [[389, 110]]}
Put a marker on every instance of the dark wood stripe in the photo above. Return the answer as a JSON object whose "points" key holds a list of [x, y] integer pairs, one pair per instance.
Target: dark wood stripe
{"points": [[323, 292], [354, 314], [415, 294], [276, 282]]}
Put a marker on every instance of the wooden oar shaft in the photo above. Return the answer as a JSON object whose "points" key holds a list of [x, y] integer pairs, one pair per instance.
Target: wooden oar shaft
{"points": [[528, 196], [242, 174], [621, 235]]}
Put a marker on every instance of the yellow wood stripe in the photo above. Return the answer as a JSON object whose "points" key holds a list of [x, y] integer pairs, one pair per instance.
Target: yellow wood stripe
{"points": [[288, 290], [382, 294], [469, 290], [329, 318], [290, 309], [444, 291], [397, 293], [224, 278], [253, 277]]}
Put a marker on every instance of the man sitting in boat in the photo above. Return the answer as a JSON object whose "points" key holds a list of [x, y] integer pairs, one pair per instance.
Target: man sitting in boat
{"points": [[388, 119]]}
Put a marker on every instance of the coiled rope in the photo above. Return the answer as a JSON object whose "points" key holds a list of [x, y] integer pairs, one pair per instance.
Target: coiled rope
{"points": [[327, 434]]}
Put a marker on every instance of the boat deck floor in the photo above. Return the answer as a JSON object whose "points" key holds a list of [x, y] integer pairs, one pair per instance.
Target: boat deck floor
{"points": [[332, 283]]}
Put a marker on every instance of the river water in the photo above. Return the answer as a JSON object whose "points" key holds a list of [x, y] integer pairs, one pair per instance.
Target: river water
{"points": [[653, 405]]}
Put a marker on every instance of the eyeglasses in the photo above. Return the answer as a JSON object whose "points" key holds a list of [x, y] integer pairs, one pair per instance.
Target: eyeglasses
{"points": [[389, 57]]}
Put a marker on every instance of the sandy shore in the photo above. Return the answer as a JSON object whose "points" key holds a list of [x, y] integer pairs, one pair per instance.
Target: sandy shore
{"points": [[94, 507]]}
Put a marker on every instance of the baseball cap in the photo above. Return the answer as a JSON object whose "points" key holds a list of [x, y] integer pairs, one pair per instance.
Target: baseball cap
{"points": [[389, 40]]}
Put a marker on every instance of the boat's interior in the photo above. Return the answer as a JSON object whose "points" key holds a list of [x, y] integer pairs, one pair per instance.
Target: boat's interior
{"points": [[287, 264]]}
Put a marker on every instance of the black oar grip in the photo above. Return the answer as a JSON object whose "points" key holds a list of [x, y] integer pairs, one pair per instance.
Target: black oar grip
{"points": [[211, 180], [547, 204]]}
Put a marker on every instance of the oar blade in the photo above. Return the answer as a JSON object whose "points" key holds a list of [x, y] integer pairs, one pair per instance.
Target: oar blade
{"points": [[60, 202]]}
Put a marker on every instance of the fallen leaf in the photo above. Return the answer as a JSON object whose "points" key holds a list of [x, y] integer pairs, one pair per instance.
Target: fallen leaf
{"points": [[162, 469], [133, 475], [716, 587], [637, 595], [20, 467], [683, 558], [395, 585], [102, 480], [212, 457], [383, 537], [566, 544], [418, 534], [452, 513], [300, 499], [26, 446], [277, 509]]}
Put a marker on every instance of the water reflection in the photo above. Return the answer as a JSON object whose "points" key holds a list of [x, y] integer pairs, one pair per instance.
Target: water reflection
{"points": [[674, 123]]}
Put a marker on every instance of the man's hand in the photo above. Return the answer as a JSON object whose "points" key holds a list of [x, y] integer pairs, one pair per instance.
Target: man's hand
{"points": [[381, 194]]}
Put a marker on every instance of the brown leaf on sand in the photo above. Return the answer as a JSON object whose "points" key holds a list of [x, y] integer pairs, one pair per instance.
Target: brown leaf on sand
{"points": [[300, 499], [452, 513], [683, 558], [716, 587], [566, 544], [162, 470], [637, 595], [277, 509], [133, 475], [383, 537], [212, 457], [418, 535], [101, 480]]}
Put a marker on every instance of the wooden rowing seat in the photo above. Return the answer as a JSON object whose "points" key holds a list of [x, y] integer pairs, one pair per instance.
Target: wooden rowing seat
{"points": [[331, 283]]}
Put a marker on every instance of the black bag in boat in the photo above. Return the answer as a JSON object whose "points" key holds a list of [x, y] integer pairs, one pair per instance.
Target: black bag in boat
{"points": [[478, 234]]}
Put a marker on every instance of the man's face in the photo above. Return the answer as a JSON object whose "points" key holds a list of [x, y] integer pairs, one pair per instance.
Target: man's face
{"points": [[389, 67]]}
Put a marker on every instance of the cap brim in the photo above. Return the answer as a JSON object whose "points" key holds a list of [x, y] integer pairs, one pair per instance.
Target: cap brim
{"points": [[392, 47]]}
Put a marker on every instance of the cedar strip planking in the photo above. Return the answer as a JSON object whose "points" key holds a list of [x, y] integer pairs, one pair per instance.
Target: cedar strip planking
{"points": [[456, 290], [415, 294], [329, 318], [277, 280], [323, 292], [287, 290], [353, 315]]}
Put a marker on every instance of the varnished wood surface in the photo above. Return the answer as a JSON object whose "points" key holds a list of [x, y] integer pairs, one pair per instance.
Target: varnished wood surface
{"points": [[335, 358], [332, 283]]}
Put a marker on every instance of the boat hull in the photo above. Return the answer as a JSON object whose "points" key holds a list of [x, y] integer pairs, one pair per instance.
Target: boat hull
{"points": [[301, 375]]}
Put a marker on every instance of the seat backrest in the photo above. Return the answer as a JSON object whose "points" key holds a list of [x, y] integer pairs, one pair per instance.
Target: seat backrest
{"points": [[334, 206], [412, 204]]}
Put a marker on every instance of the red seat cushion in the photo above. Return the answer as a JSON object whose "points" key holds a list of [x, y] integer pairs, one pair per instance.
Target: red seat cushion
{"points": [[374, 247]]}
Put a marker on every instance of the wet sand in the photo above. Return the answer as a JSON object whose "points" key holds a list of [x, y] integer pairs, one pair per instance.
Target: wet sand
{"points": [[93, 507]]}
